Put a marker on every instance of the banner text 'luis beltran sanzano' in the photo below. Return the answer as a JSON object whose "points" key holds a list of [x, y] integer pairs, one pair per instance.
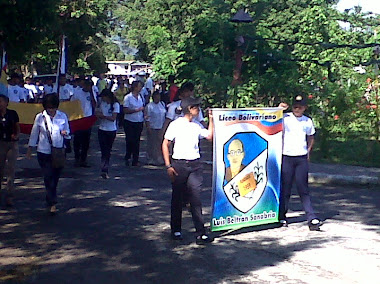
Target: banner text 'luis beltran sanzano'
{"points": [[246, 167]]}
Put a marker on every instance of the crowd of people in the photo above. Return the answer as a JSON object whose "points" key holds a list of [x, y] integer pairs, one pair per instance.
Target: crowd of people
{"points": [[131, 103]]}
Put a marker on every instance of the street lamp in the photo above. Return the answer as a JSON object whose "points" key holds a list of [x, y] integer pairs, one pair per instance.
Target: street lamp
{"points": [[241, 16]]}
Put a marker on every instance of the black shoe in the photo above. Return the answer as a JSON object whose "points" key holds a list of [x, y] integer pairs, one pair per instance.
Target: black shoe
{"points": [[284, 223], [105, 176], [177, 236], [315, 224], [203, 239]]}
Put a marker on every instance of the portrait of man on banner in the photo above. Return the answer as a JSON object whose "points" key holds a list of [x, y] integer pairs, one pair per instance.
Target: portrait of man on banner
{"points": [[245, 160]]}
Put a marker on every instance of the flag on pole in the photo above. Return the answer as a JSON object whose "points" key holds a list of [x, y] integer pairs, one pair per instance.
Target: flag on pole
{"points": [[62, 61], [3, 77]]}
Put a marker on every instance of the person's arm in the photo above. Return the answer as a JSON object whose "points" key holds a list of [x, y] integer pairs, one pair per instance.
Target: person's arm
{"points": [[310, 143], [33, 138], [165, 153], [128, 110], [16, 133], [210, 125], [93, 101]]}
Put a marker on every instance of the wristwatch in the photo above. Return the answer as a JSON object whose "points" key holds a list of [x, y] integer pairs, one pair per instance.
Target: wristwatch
{"points": [[169, 166]]}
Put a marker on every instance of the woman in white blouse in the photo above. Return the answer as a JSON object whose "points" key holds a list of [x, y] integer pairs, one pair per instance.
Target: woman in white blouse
{"points": [[107, 112], [154, 120], [133, 108], [58, 127]]}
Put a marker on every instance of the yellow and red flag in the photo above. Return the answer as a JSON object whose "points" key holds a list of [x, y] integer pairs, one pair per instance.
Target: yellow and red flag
{"points": [[73, 110]]}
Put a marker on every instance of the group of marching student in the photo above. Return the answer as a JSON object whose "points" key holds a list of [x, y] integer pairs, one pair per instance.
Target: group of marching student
{"points": [[51, 129]]}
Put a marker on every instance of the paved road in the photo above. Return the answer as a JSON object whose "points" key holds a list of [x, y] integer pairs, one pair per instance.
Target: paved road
{"points": [[116, 231]]}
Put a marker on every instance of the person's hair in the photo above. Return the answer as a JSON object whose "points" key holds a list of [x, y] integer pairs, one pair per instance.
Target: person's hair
{"points": [[187, 86], [107, 93], [156, 92], [4, 97], [87, 82], [134, 85], [171, 78], [50, 100]]}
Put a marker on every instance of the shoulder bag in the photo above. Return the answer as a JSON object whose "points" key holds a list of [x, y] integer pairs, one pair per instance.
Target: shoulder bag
{"points": [[58, 155]]}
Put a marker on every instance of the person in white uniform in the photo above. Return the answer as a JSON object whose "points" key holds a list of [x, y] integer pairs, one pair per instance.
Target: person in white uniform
{"points": [[185, 168], [154, 120], [298, 140], [53, 125], [65, 91], [82, 137], [106, 113], [133, 108]]}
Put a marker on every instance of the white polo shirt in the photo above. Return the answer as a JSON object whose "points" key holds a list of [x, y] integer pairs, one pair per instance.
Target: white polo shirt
{"points": [[155, 114], [131, 102], [15, 93], [38, 135], [65, 92], [185, 135], [48, 89], [106, 124], [294, 134], [172, 115], [85, 101]]}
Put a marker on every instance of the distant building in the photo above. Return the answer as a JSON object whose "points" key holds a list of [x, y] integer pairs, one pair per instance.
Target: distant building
{"points": [[128, 67]]}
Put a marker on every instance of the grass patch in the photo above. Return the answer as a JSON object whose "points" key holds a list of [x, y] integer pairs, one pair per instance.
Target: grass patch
{"points": [[357, 152]]}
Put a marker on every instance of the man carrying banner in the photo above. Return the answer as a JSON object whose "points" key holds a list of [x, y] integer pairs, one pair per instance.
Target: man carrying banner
{"points": [[185, 171], [298, 140]]}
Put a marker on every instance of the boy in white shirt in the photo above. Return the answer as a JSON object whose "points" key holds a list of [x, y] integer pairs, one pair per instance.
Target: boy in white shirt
{"points": [[298, 140], [82, 137]]}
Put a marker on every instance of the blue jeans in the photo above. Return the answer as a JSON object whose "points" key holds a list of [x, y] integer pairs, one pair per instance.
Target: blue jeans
{"points": [[51, 177], [295, 167]]}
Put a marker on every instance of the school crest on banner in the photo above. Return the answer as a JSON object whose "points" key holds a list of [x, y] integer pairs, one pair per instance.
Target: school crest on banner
{"points": [[246, 167]]}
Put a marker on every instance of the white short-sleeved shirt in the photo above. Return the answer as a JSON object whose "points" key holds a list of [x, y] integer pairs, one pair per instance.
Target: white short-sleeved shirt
{"points": [[295, 131], [106, 124], [186, 135], [155, 114], [131, 102], [48, 89], [39, 137], [33, 90], [172, 115], [85, 101], [15, 93], [65, 92]]}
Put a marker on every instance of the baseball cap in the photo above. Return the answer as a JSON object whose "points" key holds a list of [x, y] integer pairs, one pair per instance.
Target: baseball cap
{"points": [[190, 101], [300, 100]]}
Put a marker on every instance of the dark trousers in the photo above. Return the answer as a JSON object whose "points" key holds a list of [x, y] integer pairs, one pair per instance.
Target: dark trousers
{"points": [[81, 144], [51, 177], [188, 182], [297, 168], [132, 140], [106, 139]]}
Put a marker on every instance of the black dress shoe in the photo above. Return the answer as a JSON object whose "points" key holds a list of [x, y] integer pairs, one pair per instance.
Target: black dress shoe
{"points": [[315, 224], [177, 236], [203, 239]]}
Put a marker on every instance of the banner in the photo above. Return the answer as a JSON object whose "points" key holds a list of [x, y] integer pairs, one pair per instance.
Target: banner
{"points": [[73, 110], [246, 167]]}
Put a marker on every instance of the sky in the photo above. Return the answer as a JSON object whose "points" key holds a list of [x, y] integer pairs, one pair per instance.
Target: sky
{"points": [[367, 5]]}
